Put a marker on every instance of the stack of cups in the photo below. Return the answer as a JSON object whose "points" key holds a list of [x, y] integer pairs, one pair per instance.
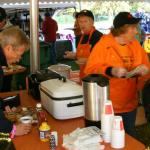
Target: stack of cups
{"points": [[118, 133], [106, 121]]}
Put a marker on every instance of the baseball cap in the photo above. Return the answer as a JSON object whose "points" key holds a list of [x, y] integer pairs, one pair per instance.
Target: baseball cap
{"points": [[124, 18], [85, 13], [3, 14]]}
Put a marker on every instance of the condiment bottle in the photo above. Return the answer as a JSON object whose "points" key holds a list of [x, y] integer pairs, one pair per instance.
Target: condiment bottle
{"points": [[40, 114], [44, 131]]}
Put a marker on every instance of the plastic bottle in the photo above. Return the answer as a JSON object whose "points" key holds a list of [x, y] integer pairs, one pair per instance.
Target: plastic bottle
{"points": [[44, 130], [40, 114]]}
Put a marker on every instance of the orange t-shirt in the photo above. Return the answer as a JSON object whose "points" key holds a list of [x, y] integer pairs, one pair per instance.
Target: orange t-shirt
{"points": [[126, 56], [108, 53]]}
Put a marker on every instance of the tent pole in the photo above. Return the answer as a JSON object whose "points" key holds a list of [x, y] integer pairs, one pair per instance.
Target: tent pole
{"points": [[34, 39]]}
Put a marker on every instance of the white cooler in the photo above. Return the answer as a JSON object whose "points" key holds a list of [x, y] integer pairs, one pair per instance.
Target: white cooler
{"points": [[63, 100]]}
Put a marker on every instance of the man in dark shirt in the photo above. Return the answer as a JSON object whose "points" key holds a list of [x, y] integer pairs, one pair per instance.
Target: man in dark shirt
{"points": [[13, 42], [49, 29]]}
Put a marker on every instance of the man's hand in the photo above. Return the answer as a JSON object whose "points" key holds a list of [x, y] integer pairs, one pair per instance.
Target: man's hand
{"points": [[118, 72], [22, 129], [70, 55], [8, 109], [81, 61], [142, 70]]}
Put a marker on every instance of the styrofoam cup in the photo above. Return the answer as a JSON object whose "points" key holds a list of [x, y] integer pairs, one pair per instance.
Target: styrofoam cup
{"points": [[117, 123], [106, 120], [118, 139], [26, 119], [117, 133], [106, 127], [108, 108]]}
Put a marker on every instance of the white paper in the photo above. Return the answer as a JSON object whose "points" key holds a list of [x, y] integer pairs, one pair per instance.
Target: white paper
{"points": [[80, 139]]}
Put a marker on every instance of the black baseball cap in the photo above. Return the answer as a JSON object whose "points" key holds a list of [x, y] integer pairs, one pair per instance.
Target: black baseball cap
{"points": [[3, 14], [85, 13], [124, 18]]}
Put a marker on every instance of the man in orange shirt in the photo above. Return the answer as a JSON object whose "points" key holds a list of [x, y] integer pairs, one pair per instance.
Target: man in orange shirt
{"points": [[114, 56], [89, 37]]}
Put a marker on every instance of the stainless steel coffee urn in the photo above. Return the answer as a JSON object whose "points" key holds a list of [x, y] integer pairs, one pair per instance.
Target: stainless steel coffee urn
{"points": [[95, 91]]}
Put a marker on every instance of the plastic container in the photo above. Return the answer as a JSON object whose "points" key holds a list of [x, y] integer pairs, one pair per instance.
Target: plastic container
{"points": [[44, 131], [61, 69]]}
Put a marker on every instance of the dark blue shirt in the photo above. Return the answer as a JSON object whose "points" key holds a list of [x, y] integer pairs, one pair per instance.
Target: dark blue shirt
{"points": [[6, 79], [5, 125]]}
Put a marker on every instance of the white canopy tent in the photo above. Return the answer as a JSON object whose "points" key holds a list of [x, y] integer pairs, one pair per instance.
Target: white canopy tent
{"points": [[41, 5], [62, 1]]}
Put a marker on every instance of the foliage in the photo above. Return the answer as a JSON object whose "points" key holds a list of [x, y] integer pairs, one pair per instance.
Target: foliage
{"points": [[102, 8], [104, 12], [111, 8], [64, 16]]}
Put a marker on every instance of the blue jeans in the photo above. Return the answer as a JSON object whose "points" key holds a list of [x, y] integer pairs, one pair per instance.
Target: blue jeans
{"points": [[129, 122], [52, 52]]}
